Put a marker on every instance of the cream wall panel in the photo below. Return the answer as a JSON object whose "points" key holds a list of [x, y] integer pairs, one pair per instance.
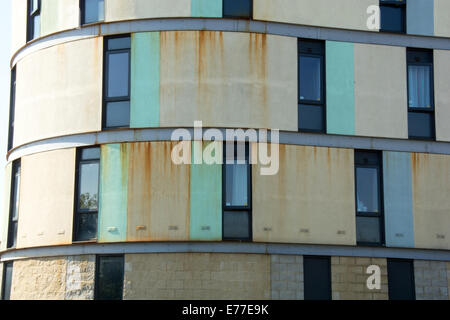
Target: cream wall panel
{"points": [[59, 15], [442, 93], [228, 80], [141, 9], [59, 91], [289, 207], [431, 201], [4, 216], [380, 91], [441, 18], [18, 24], [345, 14], [46, 199]]}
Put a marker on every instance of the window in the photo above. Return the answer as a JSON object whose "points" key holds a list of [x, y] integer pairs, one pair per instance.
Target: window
{"points": [[92, 11], [237, 192], [421, 118], [317, 277], [401, 279], [7, 280], [12, 104], [369, 195], [393, 15], [34, 19], [14, 205], [86, 202], [109, 278], [117, 82], [311, 77], [238, 9]]}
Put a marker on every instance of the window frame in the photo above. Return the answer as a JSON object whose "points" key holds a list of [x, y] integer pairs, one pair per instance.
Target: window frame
{"points": [[394, 4], [249, 206], [106, 99], [82, 14], [97, 273], [379, 215], [31, 15], [17, 165], [12, 108], [3, 286], [77, 210], [250, 17], [323, 103]]}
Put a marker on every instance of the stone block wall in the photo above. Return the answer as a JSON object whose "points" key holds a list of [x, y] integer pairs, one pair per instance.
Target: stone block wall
{"points": [[286, 277], [431, 280]]}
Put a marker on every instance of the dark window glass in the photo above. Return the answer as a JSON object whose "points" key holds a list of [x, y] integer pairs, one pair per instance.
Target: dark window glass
{"points": [[317, 277], [34, 19], [368, 229], [367, 189], [236, 182], [236, 225], [88, 172], [393, 15], [237, 8], [14, 205], [12, 108], [118, 114], [109, 278], [92, 11], [7, 280], [310, 84], [420, 125], [401, 279], [118, 74], [311, 118]]}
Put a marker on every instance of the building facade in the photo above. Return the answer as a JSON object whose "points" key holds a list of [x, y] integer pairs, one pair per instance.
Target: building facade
{"points": [[359, 208]]}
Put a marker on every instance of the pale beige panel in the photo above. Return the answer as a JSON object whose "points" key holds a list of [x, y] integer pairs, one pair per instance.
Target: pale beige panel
{"points": [[59, 15], [345, 14], [46, 199], [18, 24], [289, 207], [380, 91], [59, 91], [441, 18], [431, 201], [116, 10], [228, 80], [442, 93], [5, 214]]}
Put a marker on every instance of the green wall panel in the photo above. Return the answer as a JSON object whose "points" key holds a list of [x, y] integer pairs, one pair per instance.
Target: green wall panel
{"points": [[113, 193], [145, 71], [340, 88], [206, 8]]}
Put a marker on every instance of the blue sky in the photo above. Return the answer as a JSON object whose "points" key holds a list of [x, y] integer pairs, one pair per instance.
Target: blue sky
{"points": [[5, 26]]}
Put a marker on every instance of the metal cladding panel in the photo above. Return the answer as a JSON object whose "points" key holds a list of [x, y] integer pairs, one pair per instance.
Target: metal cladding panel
{"points": [[380, 91], [206, 195], [441, 20], [47, 188], [158, 194], [420, 17], [57, 15], [59, 91], [340, 88], [18, 24], [202, 78], [145, 80], [288, 207], [398, 209], [112, 219], [206, 8], [345, 14], [442, 94], [6, 205], [431, 201], [116, 10]]}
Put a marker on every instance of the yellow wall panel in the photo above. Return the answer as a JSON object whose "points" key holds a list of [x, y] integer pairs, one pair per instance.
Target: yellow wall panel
{"points": [[57, 15], [18, 24], [442, 93], [441, 20], [4, 216]]}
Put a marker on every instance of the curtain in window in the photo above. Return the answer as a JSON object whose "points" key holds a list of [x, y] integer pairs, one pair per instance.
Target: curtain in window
{"points": [[419, 86], [310, 78], [236, 185]]}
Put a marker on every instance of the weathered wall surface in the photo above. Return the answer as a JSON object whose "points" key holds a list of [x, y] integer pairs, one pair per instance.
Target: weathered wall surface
{"points": [[431, 280], [286, 277], [6, 207], [441, 20], [57, 15], [18, 24], [442, 93]]}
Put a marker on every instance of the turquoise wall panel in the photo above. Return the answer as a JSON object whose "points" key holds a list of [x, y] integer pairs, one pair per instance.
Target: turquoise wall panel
{"points": [[206, 199], [340, 88], [398, 209], [206, 8], [145, 75], [420, 17], [112, 220]]}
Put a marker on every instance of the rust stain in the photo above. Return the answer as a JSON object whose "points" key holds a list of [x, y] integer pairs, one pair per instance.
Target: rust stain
{"points": [[123, 162]]}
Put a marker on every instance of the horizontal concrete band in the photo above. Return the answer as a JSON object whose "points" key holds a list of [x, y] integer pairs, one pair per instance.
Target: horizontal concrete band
{"points": [[290, 138], [225, 247], [232, 25]]}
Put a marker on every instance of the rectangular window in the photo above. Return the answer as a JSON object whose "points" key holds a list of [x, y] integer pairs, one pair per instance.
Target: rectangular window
{"points": [[401, 279], [393, 16], [12, 108], [14, 205], [92, 11], [421, 116], [237, 194], [86, 202], [116, 103], [311, 86], [7, 280], [109, 273], [317, 277], [34, 19], [238, 9], [369, 198]]}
